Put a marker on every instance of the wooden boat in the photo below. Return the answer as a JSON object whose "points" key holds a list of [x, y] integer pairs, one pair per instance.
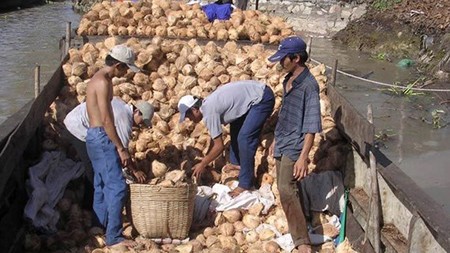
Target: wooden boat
{"points": [[407, 221], [10, 4]]}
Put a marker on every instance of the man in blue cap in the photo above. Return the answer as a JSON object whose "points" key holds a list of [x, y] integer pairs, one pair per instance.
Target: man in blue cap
{"points": [[298, 121]]}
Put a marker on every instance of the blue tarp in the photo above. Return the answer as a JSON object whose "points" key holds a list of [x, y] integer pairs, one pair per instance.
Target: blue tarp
{"points": [[217, 11]]}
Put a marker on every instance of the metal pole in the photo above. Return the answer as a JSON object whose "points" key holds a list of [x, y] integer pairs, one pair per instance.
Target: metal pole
{"points": [[68, 37], [334, 72], [37, 80]]}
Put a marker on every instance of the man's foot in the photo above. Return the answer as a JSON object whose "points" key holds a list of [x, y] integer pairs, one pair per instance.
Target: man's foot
{"points": [[304, 248], [229, 167], [238, 190]]}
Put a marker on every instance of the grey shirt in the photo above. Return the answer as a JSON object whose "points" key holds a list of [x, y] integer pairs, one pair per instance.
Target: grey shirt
{"points": [[229, 102], [77, 121]]}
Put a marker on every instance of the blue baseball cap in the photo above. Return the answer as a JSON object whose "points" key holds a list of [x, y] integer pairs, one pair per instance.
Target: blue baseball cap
{"points": [[290, 45]]}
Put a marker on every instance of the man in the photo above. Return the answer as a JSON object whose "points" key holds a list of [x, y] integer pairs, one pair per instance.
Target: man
{"points": [[105, 149], [245, 105], [125, 115], [298, 121]]}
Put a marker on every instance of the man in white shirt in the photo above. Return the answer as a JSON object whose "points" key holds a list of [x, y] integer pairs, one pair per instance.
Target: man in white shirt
{"points": [[125, 115]]}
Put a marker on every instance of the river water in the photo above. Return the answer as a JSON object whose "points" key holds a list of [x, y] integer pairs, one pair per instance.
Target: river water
{"points": [[32, 36]]}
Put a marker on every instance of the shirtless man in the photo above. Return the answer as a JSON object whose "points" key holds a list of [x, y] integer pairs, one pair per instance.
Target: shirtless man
{"points": [[105, 149]]}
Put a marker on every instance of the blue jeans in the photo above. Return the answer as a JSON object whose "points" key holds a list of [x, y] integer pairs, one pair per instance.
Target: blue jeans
{"points": [[245, 132], [110, 188]]}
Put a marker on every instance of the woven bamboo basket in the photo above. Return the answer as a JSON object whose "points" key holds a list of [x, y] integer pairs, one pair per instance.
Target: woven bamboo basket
{"points": [[162, 212]]}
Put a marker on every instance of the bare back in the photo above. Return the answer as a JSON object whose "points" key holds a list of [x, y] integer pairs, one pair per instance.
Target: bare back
{"points": [[99, 94]]}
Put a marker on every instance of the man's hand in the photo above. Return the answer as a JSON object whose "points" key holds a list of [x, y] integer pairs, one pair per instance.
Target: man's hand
{"points": [[300, 169], [140, 176], [198, 171], [125, 157]]}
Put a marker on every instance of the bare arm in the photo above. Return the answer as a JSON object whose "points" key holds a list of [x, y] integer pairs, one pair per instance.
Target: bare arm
{"points": [[216, 150], [301, 165], [104, 94]]}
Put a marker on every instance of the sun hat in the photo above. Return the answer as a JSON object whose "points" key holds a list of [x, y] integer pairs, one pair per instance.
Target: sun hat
{"points": [[185, 103], [126, 55], [289, 45], [147, 111]]}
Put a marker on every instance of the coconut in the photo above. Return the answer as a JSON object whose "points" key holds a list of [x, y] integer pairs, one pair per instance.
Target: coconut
{"points": [[271, 247], [226, 229], [251, 236], [158, 169], [251, 221], [233, 215]]}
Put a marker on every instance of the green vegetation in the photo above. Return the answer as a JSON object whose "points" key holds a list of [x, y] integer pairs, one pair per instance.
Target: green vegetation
{"points": [[380, 56], [382, 5], [437, 118], [407, 91], [382, 137]]}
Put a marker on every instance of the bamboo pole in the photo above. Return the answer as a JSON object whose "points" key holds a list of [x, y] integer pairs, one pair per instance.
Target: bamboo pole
{"points": [[68, 37], [334, 72], [309, 48], [373, 230], [37, 80]]}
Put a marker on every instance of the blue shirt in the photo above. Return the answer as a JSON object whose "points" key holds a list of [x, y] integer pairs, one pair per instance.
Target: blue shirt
{"points": [[299, 115]]}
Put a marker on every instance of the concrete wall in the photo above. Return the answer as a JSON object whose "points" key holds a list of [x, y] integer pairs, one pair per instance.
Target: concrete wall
{"points": [[322, 18]]}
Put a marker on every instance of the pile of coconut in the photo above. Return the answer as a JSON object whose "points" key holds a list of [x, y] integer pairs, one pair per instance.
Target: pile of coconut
{"points": [[172, 69], [176, 19]]}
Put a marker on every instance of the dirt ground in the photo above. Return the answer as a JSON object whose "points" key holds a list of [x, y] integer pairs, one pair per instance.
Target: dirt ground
{"points": [[401, 29]]}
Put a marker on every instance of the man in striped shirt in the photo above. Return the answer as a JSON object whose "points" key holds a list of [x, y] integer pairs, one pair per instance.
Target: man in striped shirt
{"points": [[298, 121]]}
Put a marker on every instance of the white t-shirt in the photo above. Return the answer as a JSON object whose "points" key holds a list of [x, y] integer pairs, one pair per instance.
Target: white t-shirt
{"points": [[77, 121]]}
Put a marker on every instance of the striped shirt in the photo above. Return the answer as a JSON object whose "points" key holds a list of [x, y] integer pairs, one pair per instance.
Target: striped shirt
{"points": [[299, 115]]}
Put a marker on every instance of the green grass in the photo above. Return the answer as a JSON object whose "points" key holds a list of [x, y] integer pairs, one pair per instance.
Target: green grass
{"points": [[383, 5], [407, 91]]}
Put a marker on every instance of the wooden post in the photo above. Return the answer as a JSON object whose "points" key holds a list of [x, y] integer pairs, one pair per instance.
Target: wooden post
{"points": [[309, 48], [334, 72], [257, 5], [373, 230], [68, 37], [37, 80]]}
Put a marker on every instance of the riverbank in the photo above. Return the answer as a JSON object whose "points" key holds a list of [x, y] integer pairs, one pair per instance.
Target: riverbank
{"points": [[416, 31]]}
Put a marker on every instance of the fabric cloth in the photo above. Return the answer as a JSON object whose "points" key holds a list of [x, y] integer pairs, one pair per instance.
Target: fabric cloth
{"points": [[77, 121], [110, 188], [290, 201], [46, 185], [245, 132], [323, 191], [217, 11], [80, 147], [221, 201], [299, 115], [228, 103]]}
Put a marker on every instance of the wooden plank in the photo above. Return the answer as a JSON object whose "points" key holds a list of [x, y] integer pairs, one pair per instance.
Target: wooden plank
{"points": [[18, 140], [416, 200], [349, 121], [391, 237], [11, 220], [355, 234]]}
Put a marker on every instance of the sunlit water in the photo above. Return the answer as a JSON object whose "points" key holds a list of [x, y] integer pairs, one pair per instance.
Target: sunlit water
{"points": [[29, 37], [32, 36]]}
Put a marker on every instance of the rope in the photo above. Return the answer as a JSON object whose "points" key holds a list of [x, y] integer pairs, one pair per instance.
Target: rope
{"points": [[381, 83]]}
